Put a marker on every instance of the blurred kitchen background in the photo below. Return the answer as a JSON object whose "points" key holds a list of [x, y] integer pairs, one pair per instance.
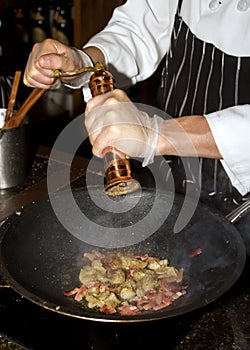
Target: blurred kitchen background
{"points": [[73, 22]]}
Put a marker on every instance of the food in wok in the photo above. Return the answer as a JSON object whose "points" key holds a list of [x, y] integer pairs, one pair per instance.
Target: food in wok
{"points": [[127, 284]]}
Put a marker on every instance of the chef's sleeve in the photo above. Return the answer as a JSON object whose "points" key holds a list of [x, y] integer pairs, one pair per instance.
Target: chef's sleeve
{"points": [[231, 129], [136, 38]]}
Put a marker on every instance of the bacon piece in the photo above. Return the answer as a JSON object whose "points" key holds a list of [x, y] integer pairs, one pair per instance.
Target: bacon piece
{"points": [[71, 292], [108, 310], [80, 293], [158, 299], [167, 279], [92, 284], [166, 300], [94, 255], [140, 300], [148, 306], [161, 306], [195, 253], [128, 310], [142, 257]]}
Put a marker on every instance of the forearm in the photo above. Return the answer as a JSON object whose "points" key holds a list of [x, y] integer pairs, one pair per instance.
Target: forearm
{"points": [[95, 54], [187, 136]]}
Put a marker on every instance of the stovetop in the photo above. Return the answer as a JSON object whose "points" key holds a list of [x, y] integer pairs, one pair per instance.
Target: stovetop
{"points": [[224, 324]]}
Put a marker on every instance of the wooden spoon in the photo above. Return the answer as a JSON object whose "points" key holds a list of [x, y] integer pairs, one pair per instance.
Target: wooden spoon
{"points": [[19, 116], [13, 93]]}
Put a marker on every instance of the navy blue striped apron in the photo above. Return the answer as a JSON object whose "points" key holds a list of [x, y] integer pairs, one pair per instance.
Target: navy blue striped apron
{"points": [[198, 79]]}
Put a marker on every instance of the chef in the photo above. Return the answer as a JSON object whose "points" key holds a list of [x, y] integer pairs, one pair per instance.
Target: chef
{"points": [[205, 82]]}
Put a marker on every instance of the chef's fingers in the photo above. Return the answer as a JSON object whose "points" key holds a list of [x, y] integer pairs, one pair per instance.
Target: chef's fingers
{"points": [[46, 57], [118, 124], [41, 71], [128, 139], [111, 107], [109, 112], [111, 97]]}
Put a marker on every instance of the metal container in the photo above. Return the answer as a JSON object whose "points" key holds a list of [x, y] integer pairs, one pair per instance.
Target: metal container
{"points": [[13, 156]]}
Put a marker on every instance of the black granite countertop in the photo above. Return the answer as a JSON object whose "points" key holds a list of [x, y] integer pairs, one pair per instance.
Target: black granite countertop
{"points": [[221, 325]]}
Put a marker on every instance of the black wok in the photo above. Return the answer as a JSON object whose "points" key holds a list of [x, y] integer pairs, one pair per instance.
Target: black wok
{"points": [[40, 258]]}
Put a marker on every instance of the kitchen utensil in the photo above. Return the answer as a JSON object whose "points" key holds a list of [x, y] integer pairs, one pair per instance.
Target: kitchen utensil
{"points": [[2, 116], [13, 156], [119, 180], [13, 93], [6, 83], [240, 211], [60, 74], [40, 258], [17, 119]]}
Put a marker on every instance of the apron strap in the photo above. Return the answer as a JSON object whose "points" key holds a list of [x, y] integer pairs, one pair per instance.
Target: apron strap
{"points": [[179, 6]]}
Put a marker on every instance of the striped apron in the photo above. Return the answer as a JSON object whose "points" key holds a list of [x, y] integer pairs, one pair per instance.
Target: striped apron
{"points": [[198, 79]]}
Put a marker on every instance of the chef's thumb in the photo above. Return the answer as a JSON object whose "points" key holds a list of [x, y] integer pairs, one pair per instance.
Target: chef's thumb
{"points": [[51, 61]]}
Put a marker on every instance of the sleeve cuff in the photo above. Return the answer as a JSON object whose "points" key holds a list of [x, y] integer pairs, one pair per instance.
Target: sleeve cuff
{"points": [[231, 129], [82, 81]]}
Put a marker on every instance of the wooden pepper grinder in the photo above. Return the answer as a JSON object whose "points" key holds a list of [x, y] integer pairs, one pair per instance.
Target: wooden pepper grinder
{"points": [[117, 165]]}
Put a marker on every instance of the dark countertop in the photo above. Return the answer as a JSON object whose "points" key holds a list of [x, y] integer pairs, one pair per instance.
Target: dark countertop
{"points": [[222, 325]]}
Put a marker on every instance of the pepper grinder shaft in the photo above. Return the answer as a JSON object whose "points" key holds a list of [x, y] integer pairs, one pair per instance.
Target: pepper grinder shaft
{"points": [[119, 180]]}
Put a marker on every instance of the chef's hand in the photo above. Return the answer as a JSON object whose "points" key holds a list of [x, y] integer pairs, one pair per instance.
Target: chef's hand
{"points": [[48, 56], [113, 120]]}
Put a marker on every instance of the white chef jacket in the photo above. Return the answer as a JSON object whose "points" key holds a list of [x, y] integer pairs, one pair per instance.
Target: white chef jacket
{"points": [[138, 36]]}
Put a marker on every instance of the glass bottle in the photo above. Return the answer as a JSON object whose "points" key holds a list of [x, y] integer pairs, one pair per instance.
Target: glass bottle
{"points": [[22, 22], [40, 20], [62, 28]]}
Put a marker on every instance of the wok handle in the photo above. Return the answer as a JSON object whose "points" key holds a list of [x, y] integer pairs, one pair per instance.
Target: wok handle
{"points": [[237, 213]]}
